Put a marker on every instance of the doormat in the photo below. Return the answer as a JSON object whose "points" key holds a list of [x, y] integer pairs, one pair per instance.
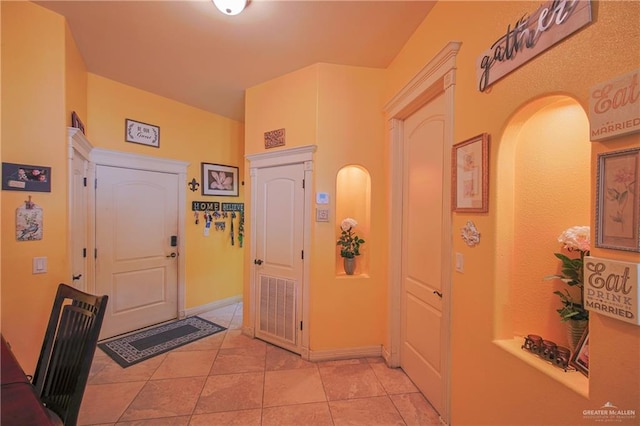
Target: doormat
{"points": [[134, 348]]}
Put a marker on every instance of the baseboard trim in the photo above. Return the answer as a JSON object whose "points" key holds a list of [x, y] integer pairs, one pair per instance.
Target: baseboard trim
{"points": [[346, 353], [213, 305]]}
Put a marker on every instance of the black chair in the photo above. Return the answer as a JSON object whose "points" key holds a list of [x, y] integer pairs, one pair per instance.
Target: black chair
{"points": [[67, 351]]}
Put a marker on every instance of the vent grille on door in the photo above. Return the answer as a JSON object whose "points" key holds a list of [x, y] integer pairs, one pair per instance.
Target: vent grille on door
{"points": [[277, 308]]}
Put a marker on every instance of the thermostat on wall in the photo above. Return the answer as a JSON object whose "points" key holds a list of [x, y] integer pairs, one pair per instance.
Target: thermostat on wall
{"points": [[322, 198]]}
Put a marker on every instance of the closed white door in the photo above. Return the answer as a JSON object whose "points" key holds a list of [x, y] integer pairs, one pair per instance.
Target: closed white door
{"points": [[79, 227], [279, 257], [422, 236], [136, 264]]}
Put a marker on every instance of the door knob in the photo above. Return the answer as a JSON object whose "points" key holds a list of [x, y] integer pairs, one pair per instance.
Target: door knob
{"points": [[257, 262], [76, 277], [172, 255], [437, 293]]}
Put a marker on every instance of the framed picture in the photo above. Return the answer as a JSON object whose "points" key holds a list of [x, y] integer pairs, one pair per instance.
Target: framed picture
{"points": [[142, 133], [470, 175], [580, 358], [218, 179], [75, 122], [23, 177], [618, 201]]}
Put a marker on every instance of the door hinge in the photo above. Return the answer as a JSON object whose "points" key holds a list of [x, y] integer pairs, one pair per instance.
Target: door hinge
{"points": [[300, 325], [84, 252], [302, 183], [84, 181], [302, 254], [95, 184], [95, 253]]}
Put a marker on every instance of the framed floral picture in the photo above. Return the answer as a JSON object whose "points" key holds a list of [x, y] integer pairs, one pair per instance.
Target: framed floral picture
{"points": [[470, 175], [218, 179], [618, 201], [580, 358]]}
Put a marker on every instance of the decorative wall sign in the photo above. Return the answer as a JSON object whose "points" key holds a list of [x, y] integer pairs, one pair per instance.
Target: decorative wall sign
{"points": [[142, 133], [529, 36], [29, 222], [611, 288], [218, 179], [75, 122], [22, 177], [201, 206], [470, 175], [274, 138], [618, 201], [614, 107], [470, 234]]}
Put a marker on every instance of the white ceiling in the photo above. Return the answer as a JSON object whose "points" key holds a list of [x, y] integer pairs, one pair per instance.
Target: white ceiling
{"points": [[190, 52]]}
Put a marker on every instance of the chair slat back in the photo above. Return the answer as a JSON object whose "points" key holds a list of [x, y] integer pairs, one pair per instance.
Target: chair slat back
{"points": [[67, 351]]}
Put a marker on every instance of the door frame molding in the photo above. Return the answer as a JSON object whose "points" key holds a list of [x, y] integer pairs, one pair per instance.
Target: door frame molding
{"points": [[304, 155], [436, 78], [105, 157]]}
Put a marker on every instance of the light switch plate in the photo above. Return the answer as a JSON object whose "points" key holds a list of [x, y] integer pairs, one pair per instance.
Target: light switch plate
{"points": [[322, 215], [39, 265], [460, 262]]}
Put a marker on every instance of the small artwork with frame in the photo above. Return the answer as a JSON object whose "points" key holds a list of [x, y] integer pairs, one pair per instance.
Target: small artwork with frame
{"points": [[470, 175], [580, 358], [23, 177], [618, 201], [218, 179]]}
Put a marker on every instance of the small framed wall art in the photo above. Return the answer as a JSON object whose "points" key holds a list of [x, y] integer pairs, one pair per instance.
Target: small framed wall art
{"points": [[470, 175], [618, 201], [142, 133], [218, 179], [580, 358], [23, 177]]}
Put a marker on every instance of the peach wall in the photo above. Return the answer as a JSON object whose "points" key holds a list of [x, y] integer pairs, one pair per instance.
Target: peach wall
{"points": [[33, 132], [339, 109], [490, 386], [43, 80], [214, 267]]}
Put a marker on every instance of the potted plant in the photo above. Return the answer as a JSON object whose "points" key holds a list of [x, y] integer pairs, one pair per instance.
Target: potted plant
{"points": [[575, 240], [349, 244]]}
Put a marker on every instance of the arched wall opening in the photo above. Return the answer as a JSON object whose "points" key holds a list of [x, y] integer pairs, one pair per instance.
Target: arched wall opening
{"points": [[353, 200], [543, 187]]}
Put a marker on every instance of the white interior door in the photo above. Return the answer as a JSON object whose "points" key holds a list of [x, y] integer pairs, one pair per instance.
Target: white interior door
{"points": [[279, 254], [78, 220], [136, 264], [422, 235]]}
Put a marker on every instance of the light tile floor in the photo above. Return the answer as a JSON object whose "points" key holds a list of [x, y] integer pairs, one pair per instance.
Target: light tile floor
{"points": [[230, 379]]}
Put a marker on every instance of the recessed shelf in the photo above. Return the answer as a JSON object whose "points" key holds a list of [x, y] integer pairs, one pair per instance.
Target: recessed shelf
{"points": [[574, 380]]}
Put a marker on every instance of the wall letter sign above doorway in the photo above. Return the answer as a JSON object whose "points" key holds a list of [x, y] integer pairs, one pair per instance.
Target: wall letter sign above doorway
{"points": [[529, 36]]}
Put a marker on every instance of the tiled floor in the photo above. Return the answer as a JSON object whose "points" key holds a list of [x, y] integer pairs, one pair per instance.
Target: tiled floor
{"points": [[230, 379]]}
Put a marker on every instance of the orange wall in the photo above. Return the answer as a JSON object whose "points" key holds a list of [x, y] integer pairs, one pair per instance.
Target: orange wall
{"points": [[339, 109], [490, 386], [33, 132], [43, 80]]}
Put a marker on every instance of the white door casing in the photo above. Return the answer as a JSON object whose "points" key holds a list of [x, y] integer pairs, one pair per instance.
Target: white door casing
{"points": [[259, 163], [105, 157], [435, 79]]}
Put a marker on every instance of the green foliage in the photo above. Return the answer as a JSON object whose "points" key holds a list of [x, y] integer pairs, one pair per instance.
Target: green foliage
{"points": [[572, 275], [350, 244]]}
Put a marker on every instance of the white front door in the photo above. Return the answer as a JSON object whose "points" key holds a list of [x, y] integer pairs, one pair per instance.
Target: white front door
{"points": [[279, 254], [422, 326], [136, 264]]}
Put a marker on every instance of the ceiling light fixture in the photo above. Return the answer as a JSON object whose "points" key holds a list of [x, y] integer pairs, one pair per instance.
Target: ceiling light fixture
{"points": [[230, 7]]}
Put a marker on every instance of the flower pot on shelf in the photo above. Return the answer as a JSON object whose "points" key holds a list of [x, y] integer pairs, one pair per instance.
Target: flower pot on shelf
{"points": [[349, 265], [575, 330]]}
